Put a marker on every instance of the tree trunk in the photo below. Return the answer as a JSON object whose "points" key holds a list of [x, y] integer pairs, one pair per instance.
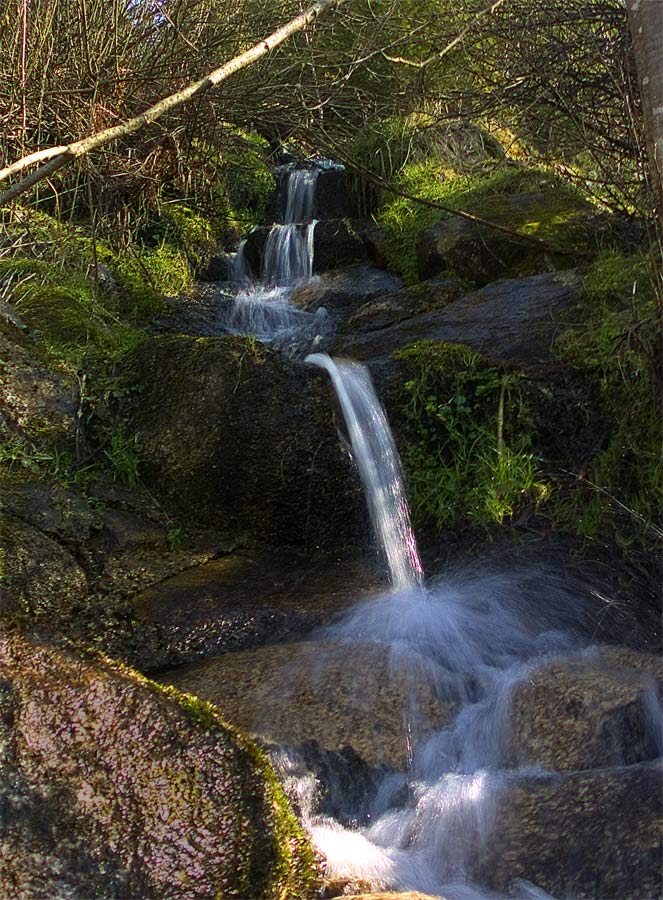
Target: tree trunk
{"points": [[646, 25], [60, 156]]}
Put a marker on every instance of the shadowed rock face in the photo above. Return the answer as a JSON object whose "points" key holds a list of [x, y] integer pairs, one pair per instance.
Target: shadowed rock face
{"points": [[582, 835], [515, 320], [336, 694], [111, 784], [241, 438]]}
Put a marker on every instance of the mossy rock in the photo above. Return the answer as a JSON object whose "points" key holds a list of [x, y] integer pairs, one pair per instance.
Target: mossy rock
{"points": [[238, 437], [422, 241], [151, 788], [38, 412]]}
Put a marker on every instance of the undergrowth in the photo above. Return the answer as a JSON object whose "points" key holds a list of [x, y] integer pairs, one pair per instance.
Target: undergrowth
{"points": [[468, 447], [619, 347]]}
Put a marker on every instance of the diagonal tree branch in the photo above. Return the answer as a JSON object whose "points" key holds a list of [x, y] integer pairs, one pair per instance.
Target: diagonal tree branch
{"points": [[60, 156]]}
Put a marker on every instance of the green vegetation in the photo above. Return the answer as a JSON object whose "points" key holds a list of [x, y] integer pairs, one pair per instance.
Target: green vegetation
{"points": [[468, 451], [619, 348], [553, 211]]}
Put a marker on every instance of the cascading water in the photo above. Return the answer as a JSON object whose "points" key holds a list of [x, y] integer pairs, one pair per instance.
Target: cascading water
{"points": [[263, 308], [475, 637], [379, 467]]}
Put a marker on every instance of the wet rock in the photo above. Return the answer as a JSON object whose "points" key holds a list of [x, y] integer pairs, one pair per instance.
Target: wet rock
{"points": [[238, 602], [514, 320], [37, 405], [40, 578], [219, 267], [330, 783], [382, 312], [126, 790], [583, 835], [586, 713], [239, 438], [345, 290], [338, 694], [337, 242]]}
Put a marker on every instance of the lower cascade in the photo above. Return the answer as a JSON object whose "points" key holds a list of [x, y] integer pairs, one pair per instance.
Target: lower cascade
{"points": [[480, 640]]}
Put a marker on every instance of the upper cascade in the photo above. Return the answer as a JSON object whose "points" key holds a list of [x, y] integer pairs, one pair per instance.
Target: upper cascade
{"points": [[300, 196]]}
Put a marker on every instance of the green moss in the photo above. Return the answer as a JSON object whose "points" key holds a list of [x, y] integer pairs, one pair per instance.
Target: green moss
{"points": [[468, 441], [294, 873], [554, 212], [619, 349], [149, 273]]}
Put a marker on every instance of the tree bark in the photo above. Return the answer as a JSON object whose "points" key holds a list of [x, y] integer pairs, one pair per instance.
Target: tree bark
{"points": [[646, 25], [60, 156]]}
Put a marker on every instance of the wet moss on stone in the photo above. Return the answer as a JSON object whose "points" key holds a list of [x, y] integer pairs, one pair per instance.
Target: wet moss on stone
{"points": [[551, 210]]}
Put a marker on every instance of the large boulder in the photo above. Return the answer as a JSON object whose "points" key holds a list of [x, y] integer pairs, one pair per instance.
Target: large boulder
{"points": [[338, 694], [236, 436], [114, 787], [582, 835], [587, 712], [515, 320], [468, 250]]}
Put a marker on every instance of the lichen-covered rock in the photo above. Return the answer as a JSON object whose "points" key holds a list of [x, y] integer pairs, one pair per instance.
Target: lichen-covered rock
{"points": [[242, 439], [116, 788], [37, 404], [586, 713], [39, 578], [583, 835], [338, 694], [514, 320]]}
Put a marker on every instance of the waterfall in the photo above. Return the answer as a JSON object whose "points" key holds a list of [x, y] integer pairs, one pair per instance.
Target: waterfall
{"points": [[288, 254], [300, 196], [241, 268], [379, 467], [263, 308]]}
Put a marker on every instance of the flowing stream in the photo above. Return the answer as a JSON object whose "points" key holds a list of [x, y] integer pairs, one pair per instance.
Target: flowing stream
{"points": [[478, 633], [262, 307]]}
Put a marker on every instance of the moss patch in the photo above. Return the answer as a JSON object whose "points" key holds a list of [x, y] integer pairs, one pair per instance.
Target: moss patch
{"points": [[554, 211], [619, 349]]}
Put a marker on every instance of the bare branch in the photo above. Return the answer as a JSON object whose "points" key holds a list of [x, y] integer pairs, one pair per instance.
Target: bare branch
{"points": [[84, 146]]}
